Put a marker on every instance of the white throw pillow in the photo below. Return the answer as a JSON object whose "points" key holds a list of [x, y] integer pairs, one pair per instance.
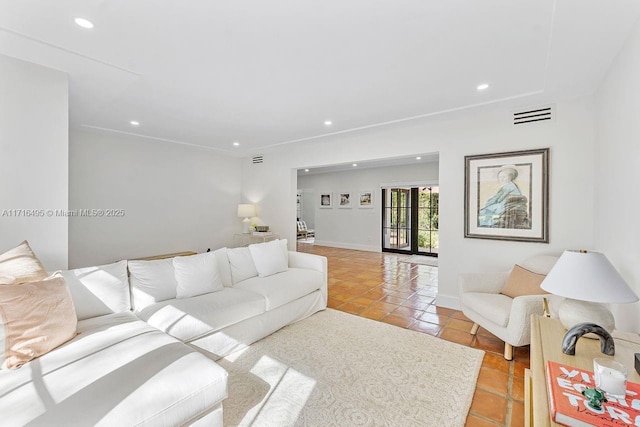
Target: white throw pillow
{"points": [[99, 290], [152, 281], [223, 266], [270, 257], [196, 275], [241, 264]]}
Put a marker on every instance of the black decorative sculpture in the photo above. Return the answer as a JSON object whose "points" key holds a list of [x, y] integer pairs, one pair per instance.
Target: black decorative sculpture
{"points": [[607, 346]]}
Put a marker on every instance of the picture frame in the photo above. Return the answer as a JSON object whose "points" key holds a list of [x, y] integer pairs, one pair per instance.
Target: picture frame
{"points": [[365, 199], [507, 196], [344, 200], [326, 200]]}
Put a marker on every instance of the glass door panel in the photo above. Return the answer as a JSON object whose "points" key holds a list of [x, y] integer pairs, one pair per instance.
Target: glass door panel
{"points": [[410, 220], [396, 229], [428, 198]]}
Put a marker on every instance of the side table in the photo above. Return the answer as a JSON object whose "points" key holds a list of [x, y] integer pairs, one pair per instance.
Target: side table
{"points": [[546, 344]]}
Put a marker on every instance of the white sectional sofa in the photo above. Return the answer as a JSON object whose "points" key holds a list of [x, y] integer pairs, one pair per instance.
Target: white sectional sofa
{"points": [[149, 359]]}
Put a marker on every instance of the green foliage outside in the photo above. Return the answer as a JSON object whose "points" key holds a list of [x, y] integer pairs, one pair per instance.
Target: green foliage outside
{"points": [[428, 220]]}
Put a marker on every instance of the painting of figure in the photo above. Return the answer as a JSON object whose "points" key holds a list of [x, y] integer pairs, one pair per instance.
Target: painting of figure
{"points": [[507, 195], [508, 206]]}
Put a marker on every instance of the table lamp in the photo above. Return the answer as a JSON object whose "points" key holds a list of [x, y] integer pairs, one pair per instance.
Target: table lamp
{"points": [[587, 280], [246, 211]]}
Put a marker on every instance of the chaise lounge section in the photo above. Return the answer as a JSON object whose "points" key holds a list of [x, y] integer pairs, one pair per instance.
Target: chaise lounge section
{"points": [[149, 360]]}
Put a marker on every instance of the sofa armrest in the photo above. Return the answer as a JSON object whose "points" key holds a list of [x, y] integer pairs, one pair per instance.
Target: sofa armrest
{"points": [[488, 282], [311, 262]]}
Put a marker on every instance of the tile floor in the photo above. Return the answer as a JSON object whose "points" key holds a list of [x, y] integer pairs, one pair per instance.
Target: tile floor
{"points": [[380, 287]]}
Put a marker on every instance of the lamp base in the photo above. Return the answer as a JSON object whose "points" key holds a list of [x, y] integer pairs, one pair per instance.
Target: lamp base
{"points": [[246, 223], [571, 312]]}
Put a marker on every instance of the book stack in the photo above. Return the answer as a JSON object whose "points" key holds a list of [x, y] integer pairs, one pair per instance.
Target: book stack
{"points": [[262, 233], [569, 407]]}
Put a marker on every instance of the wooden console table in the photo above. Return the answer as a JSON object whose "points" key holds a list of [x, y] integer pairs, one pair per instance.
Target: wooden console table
{"points": [[546, 344], [245, 239]]}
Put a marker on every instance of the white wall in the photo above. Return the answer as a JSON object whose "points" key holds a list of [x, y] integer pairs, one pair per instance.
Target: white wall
{"points": [[175, 198], [617, 228], [358, 228], [571, 141], [308, 206], [34, 149]]}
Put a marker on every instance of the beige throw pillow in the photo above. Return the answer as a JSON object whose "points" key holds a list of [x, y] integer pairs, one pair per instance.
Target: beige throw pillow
{"points": [[20, 265], [37, 318], [523, 282]]}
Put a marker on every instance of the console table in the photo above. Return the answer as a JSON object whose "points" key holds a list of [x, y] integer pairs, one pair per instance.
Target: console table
{"points": [[245, 239], [546, 344]]}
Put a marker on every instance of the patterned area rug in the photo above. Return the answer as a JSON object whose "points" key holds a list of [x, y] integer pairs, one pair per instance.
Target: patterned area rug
{"points": [[336, 369]]}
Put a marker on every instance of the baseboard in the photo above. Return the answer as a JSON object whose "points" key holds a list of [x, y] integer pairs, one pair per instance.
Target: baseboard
{"points": [[348, 246], [448, 301]]}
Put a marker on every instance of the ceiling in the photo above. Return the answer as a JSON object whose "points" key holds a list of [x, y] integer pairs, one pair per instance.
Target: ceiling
{"points": [[210, 73]]}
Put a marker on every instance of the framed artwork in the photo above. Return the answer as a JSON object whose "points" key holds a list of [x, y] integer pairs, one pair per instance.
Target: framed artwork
{"points": [[326, 200], [507, 196], [344, 201], [365, 199]]}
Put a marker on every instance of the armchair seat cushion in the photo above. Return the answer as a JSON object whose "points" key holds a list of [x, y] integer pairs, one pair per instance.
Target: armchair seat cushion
{"points": [[493, 307]]}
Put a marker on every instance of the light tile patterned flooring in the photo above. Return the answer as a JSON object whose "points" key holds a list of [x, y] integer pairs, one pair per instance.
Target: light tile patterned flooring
{"points": [[380, 287]]}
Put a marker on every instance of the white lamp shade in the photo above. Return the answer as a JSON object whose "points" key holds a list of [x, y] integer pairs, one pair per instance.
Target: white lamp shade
{"points": [[246, 210], [587, 276]]}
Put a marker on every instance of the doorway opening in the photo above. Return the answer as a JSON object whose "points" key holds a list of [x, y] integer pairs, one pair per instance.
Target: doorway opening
{"points": [[410, 220]]}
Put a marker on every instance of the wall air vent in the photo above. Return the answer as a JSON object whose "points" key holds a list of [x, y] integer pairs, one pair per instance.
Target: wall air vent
{"points": [[257, 160], [533, 115]]}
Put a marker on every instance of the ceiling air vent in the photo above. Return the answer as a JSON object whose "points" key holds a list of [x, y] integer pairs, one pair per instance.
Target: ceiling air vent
{"points": [[257, 160], [533, 115]]}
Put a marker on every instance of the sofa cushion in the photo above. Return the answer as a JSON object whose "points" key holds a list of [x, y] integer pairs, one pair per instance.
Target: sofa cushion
{"points": [[36, 317], [117, 371], [523, 282], [494, 307], [196, 275], [270, 257], [99, 290], [152, 281], [20, 265], [223, 266], [282, 288], [241, 264], [191, 318]]}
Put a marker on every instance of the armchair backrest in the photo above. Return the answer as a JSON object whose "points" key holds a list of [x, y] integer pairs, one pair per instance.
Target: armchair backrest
{"points": [[540, 264]]}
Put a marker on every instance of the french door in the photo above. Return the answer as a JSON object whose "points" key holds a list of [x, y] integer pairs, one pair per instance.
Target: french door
{"points": [[410, 220]]}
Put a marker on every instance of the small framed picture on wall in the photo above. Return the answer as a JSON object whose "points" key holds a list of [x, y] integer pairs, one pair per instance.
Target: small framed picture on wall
{"points": [[365, 199], [326, 200], [344, 201]]}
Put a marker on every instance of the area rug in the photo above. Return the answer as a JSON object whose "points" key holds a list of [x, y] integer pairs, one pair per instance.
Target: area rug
{"points": [[421, 259], [336, 369]]}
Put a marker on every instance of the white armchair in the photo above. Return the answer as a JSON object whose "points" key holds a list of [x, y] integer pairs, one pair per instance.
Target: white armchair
{"points": [[507, 318]]}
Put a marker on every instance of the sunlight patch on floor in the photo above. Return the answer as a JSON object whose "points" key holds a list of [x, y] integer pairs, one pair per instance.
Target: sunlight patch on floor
{"points": [[289, 391]]}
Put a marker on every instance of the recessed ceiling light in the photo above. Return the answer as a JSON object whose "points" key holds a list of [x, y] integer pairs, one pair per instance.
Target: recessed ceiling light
{"points": [[84, 23], [236, 144], [134, 123], [328, 122], [418, 158], [306, 170], [354, 165], [483, 86]]}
